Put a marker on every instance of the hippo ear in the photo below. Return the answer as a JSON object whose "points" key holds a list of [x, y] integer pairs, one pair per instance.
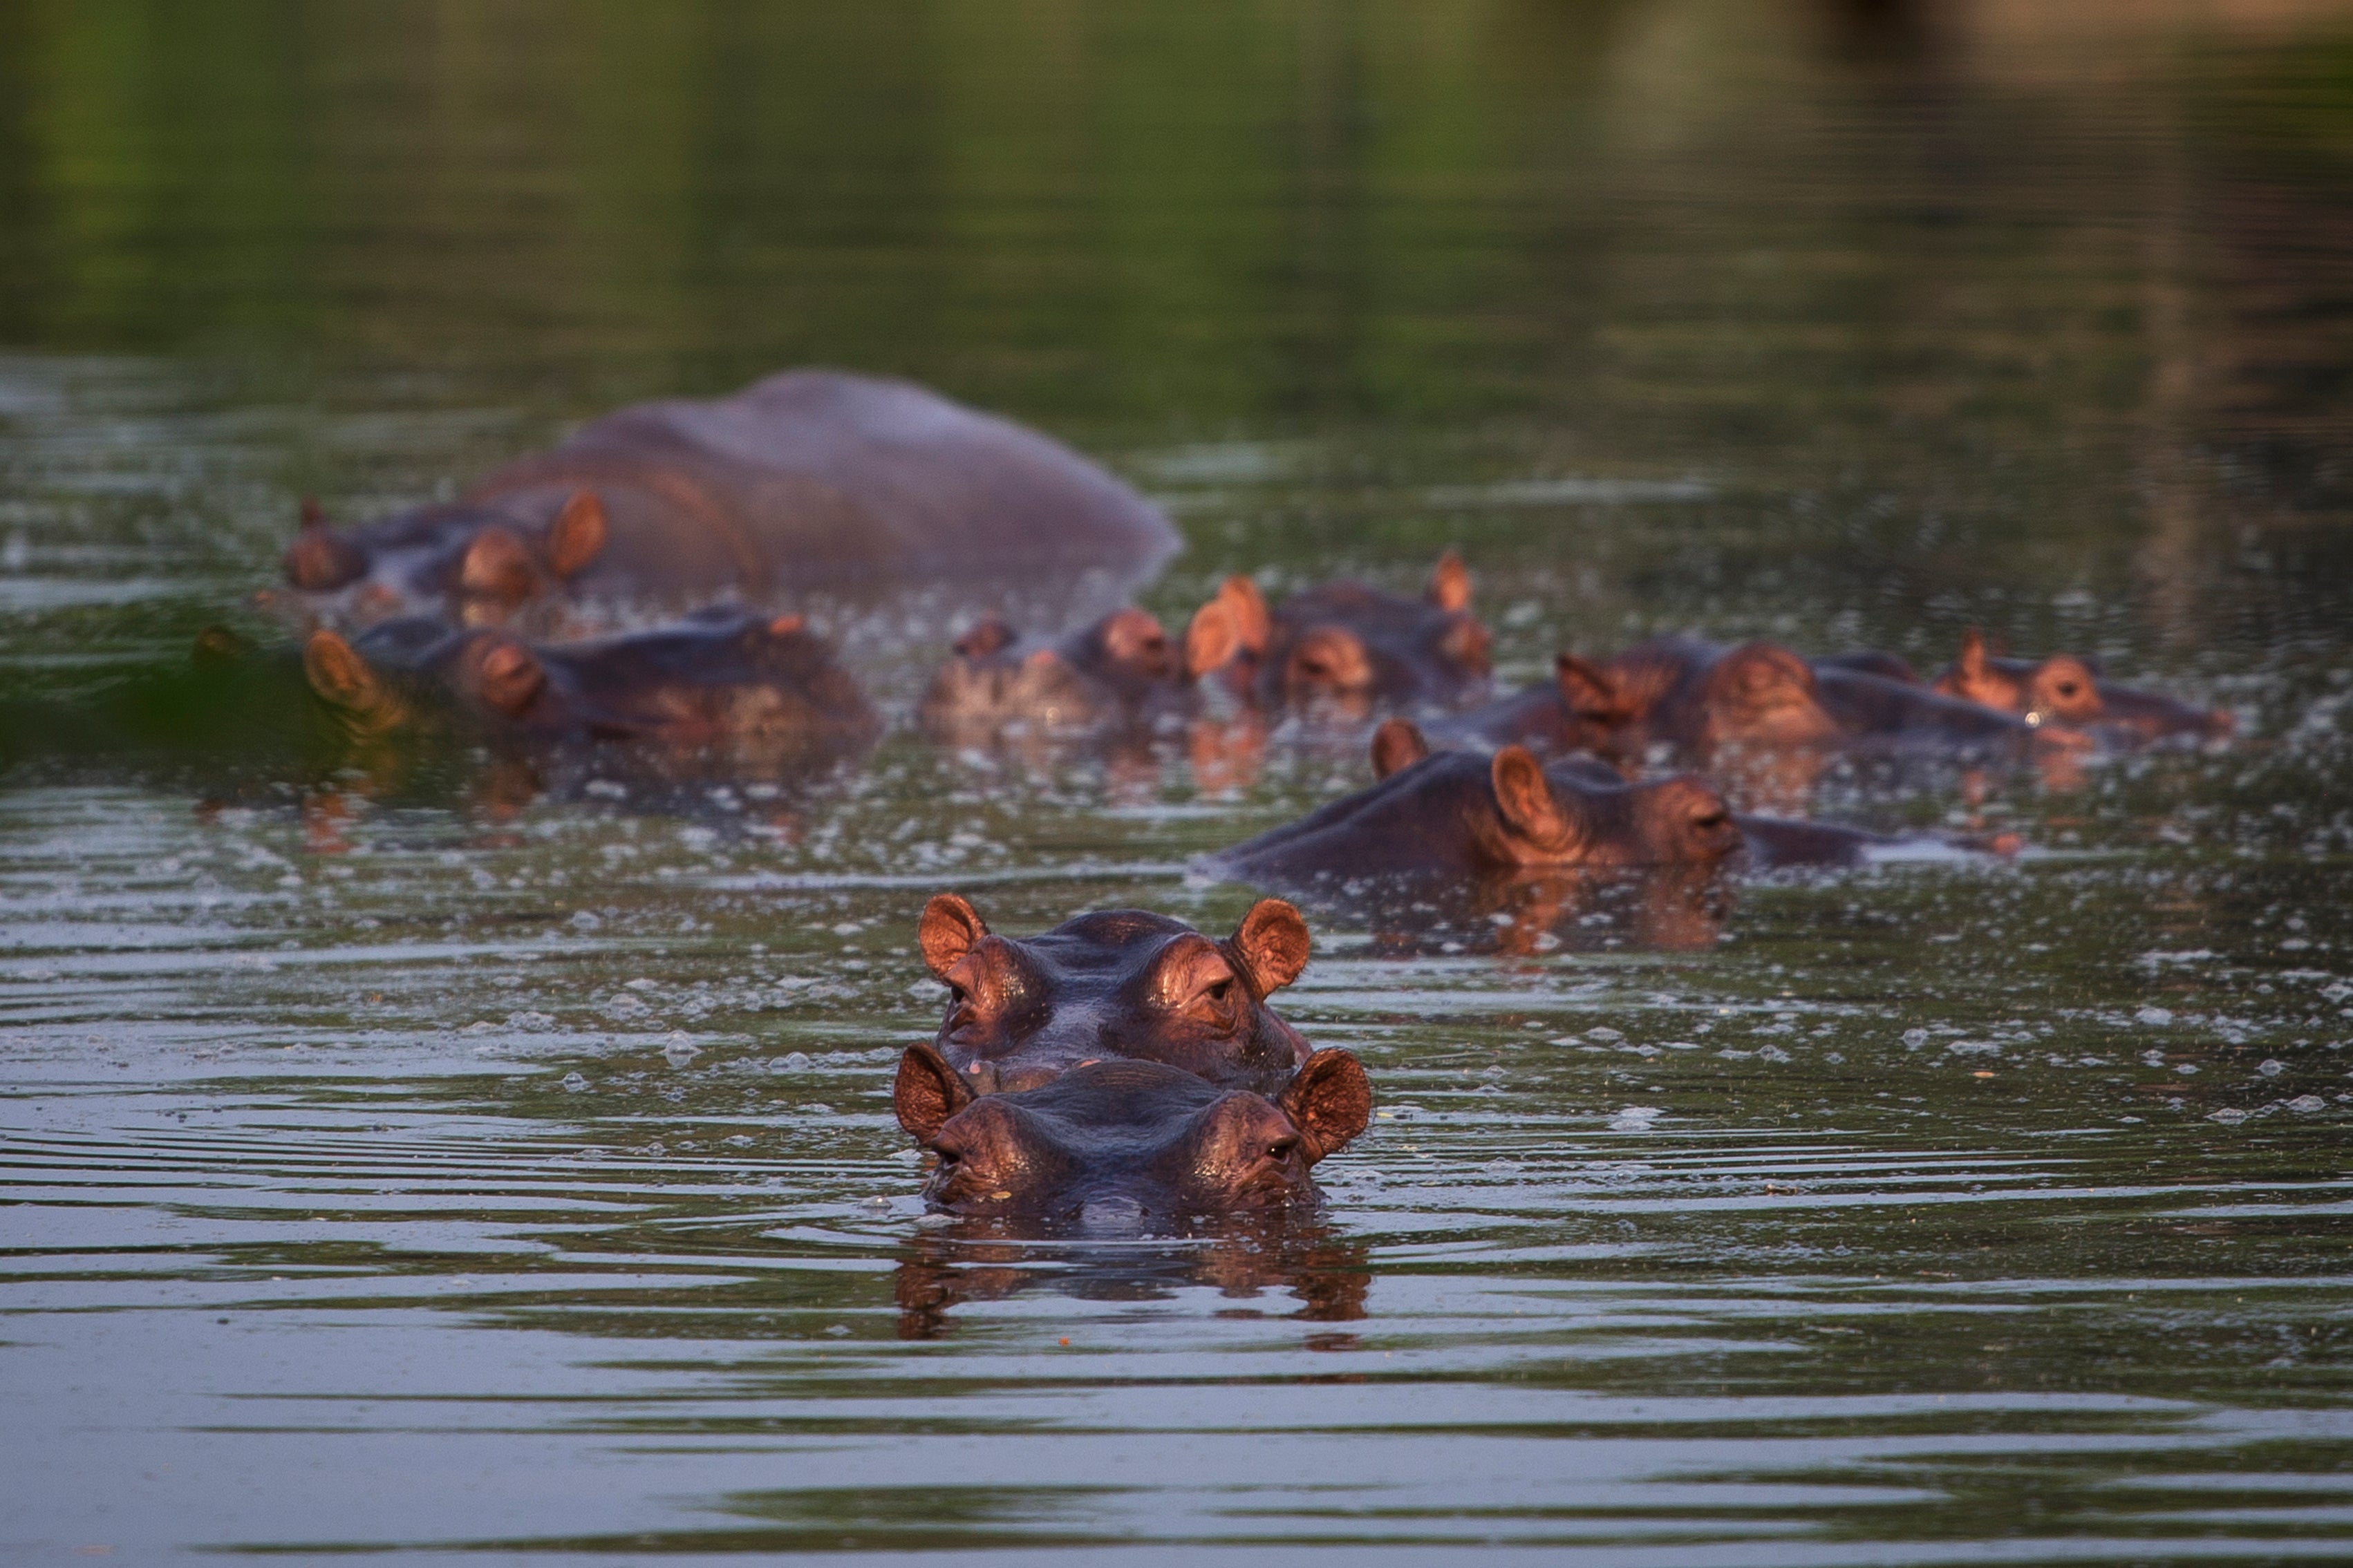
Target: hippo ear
{"points": [[927, 1092], [577, 537], [1330, 1100], [497, 566], [1525, 796], [1972, 662], [1449, 584], [1212, 638], [320, 560], [787, 626], [947, 931], [337, 672], [1591, 689], [1397, 744], [1252, 623], [1270, 945]]}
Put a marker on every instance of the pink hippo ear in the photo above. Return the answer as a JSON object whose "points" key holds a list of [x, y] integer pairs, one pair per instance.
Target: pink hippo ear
{"points": [[1253, 624], [1330, 1100], [498, 566], [577, 537], [1212, 638], [1449, 584], [1397, 744], [927, 1092], [1591, 690], [1972, 661], [1525, 797], [1269, 946], [950, 929], [320, 560], [337, 672]]}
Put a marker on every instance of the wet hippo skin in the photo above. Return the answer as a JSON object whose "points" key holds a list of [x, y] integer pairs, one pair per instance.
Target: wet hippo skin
{"points": [[1116, 984], [1699, 699], [2062, 692], [1454, 815], [1352, 649], [1121, 673], [1138, 1137], [811, 478], [724, 678]]}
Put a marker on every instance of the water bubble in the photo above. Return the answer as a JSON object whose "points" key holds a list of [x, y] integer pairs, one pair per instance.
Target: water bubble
{"points": [[575, 1082], [680, 1051], [2154, 1017], [2229, 1116], [1635, 1118], [1915, 1038], [2271, 1066], [1604, 1032], [587, 920], [2308, 1103]]}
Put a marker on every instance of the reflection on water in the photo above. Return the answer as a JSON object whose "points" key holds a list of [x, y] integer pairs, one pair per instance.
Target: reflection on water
{"points": [[455, 1158]]}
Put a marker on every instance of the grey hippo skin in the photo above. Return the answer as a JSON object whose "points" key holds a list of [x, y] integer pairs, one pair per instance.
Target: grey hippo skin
{"points": [[808, 480], [1116, 984], [724, 680], [1458, 815], [1132, 1137]]}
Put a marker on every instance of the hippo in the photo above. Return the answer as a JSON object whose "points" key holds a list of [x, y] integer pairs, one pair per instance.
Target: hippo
{"points": [[2062, 692], [1121, 673], [1699, 699], [1348, 650], [723, 682], [1129, 1140], [810, 480], [1116, 983], [1453, 816]]}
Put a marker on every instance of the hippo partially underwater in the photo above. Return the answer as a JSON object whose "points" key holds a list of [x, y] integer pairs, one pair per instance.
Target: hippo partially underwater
{"points": [[810, 480]]}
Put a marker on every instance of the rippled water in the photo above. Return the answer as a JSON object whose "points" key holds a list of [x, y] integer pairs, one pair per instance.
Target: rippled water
{"points": [[419, 1173]]}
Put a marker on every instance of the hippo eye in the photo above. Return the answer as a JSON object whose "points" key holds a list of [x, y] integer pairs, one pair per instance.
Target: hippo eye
{"points": [[1282, 1149], [2067, 688], [1713, 816]]}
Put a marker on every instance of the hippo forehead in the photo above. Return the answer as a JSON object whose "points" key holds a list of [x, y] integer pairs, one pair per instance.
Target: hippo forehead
{"points": [[1134, 1103], [1107, 943]]}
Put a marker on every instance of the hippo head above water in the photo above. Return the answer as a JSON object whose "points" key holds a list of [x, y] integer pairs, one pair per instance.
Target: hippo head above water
{"points": [[1116, 984], [2062, 692], [1122, 669], [1350, 648], [724, 676], [1128, 1139], [482, 560]]}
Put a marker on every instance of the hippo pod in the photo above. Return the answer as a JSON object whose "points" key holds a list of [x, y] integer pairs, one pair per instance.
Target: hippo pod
{"points": [[2064, 693], [1702, 699], [723, 678], [1128, 1139], [1116, 984], [811, 478], [1455, 815], [1350, 649]]}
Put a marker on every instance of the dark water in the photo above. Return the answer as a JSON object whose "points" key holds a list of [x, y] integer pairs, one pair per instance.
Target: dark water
{"points": [[407, 1176]]}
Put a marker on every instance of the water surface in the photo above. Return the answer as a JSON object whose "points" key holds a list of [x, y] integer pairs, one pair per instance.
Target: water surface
{"points": [[426, 1174]]}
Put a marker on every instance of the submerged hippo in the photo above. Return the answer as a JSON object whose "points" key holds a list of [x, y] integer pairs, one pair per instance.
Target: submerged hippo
{"points": [[1699, 699], [1349, 649], [1451, 815], [1119, 983], [1137, 1139], [2062, 692], [722, 681], [807, 480], [1121, 673]]}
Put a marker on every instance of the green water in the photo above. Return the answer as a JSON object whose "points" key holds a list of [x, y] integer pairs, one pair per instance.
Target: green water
{"points": [[408, 1176]]}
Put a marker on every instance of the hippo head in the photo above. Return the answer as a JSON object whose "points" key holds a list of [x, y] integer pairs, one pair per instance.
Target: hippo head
{"points": [[1128, 1137], [1116, 984], [2067, 693], [1761, 694], [1577, 814], [485, 561], [1117, 668], [721, 674], [1348, 647]]}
